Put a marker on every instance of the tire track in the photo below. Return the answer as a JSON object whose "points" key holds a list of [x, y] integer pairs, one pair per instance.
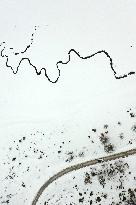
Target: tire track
{"points": [[80, 166]]}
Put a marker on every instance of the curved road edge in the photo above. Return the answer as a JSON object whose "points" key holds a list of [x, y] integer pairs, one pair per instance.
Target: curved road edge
{"points": [[80, 166]]}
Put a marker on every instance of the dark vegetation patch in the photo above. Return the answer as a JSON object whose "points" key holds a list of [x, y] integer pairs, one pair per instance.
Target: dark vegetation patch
{"points": [[70, 156], [126, 197], [109, 148], [108, 171], [105, 141], [132, 114], [87, 179], [121, 135], [133, 128]]}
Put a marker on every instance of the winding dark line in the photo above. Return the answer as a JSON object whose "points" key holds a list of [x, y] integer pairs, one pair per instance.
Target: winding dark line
{"points": [[80, 166], [27, 47], [60, 62]]}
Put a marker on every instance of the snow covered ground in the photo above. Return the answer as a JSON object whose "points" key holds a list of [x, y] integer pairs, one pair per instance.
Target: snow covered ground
{"points": [[87, 114]]}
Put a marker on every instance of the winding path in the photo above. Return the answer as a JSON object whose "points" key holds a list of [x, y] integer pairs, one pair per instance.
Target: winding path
{"points": [[15, 70], [80, 166]]}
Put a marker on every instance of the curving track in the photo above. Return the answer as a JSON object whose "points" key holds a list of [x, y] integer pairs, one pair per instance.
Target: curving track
{"points": [[80, 166], [15, 70]]}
